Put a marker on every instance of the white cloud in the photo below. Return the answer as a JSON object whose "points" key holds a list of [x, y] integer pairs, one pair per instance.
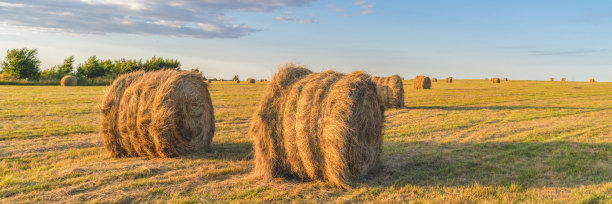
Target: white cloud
{"points": [[367, 7], [191, 18], [290, 18]]}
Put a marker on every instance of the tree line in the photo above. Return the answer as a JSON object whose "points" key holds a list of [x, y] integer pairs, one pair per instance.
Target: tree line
{"points": [[24, 64]]}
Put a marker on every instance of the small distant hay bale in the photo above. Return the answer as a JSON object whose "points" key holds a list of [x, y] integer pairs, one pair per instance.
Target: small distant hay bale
{"points": [[421, 82], [592, 80], [209, 81], [434, 79], [563, 79], [505, 79], [68, 80], [164, 113], [237, 81], [250, 81], [552, 79], [262, 80], [390, 90], [495, 80], [221, 80], [449, 80], [317, 126], [486, 79]]}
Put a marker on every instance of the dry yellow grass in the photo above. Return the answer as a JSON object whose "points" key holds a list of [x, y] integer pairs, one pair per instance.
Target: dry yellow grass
{"points": [[466, 142]]}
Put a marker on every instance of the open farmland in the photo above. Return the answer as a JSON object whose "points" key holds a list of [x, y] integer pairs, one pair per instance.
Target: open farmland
{"points": [[469, 141]]}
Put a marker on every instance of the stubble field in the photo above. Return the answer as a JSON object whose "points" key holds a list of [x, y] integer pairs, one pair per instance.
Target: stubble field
{"points": [[470, 141]]}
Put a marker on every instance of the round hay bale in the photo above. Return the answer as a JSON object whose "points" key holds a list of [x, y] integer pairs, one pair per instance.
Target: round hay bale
{"points": [[221, 80], [486, 79], [317, 126], [68, 80], [592, 80], [563, 79], [495, 80], [209, 81], [421, 82], [505, 79], [434, 79], [157, 114], [552, 79], [250, 81], [237, 81], [390, 90], [449, 80]]}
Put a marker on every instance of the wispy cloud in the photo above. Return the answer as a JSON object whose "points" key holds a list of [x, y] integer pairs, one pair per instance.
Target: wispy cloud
{"points": [[291, 18], [568, 52], [367, 7], [190, 18]]}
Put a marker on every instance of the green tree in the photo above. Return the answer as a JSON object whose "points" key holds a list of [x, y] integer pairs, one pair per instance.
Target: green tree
{"points": [[21, 63], [156, 63], [67, 67], [91, 68], [235, 78]]}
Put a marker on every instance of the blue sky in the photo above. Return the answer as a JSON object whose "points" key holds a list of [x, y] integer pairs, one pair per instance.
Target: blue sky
{"points": [[518, 39]]}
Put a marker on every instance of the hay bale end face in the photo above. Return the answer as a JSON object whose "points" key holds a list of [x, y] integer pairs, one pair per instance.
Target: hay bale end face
{"points": [[317, 126], [495, 80], [68, 80], [421, 82], [449, 80], [390, 90], [251, 81], [157, 114]]}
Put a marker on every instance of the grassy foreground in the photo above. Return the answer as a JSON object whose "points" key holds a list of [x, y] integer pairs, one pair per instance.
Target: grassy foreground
{"points": [[470, 141]]}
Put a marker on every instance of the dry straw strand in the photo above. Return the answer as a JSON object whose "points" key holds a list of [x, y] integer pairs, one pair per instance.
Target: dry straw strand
{"points": [[390, 90], [68, 80], [157, 114], [421, 82], [317, 126]]}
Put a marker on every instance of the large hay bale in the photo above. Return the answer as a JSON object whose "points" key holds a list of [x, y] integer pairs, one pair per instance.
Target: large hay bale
{"points": [[250, 81], [592, 80], [449, 80], [505, 79], [317, 126], [390, 90], [421, 82], [68, 80], [157, 114], [563, 79], [495, 80], [434, 79]]}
